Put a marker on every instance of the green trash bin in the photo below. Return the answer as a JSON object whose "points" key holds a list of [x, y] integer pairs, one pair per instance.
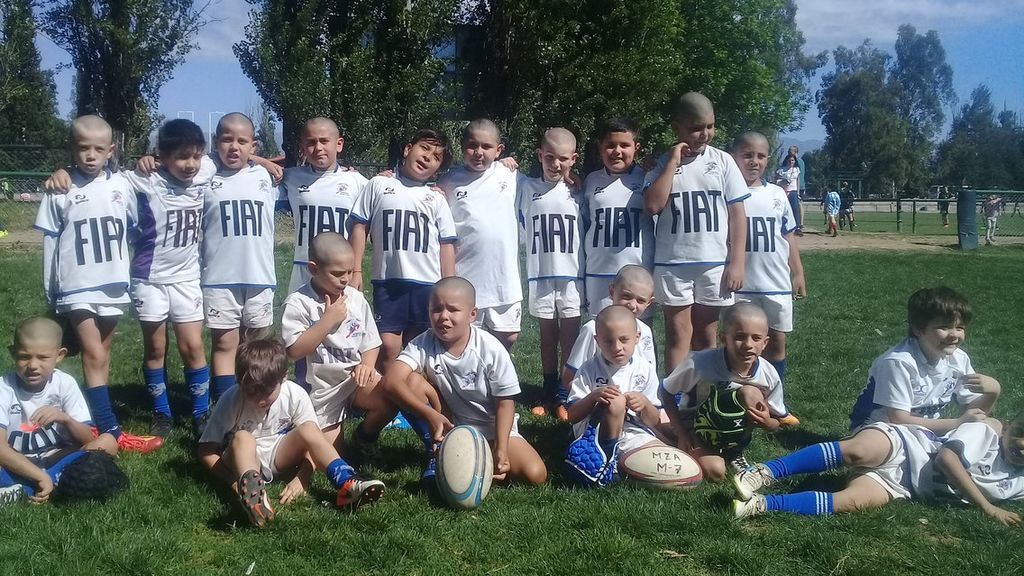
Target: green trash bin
{"points": [[967, 219]]}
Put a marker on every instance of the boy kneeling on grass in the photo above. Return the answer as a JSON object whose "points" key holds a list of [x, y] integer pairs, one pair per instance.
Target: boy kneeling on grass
{"points": [[263, 427]]}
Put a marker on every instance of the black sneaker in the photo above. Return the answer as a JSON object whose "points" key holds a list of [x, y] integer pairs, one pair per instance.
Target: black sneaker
{"points": [[162, 425], [199, 424]]}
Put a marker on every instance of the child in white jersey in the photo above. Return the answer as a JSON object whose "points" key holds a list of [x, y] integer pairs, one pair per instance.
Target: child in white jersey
{"points": [[265, 427], [774, 271], [617, 229], [726, 392], [458, 374], [916, 380], [615, 388], [413, 240], [549, 219], [86, 261], [482, 197], [320, 194], [697, 192], [43, 416], [238, 277]]}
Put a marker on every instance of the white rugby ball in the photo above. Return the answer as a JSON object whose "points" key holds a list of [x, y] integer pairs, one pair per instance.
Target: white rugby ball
{"points": [[465, 468], [662, 467]]}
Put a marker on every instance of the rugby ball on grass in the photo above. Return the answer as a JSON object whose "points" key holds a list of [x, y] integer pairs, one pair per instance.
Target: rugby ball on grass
{"points": [[465, 468], [661, 467]]}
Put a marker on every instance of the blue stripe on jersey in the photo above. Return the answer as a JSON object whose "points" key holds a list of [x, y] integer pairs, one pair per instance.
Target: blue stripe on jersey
{"points": [[709, 263], [360, 219], [600, 275], [449, 239], [92, 288], [553, 278], [50, 233], [735, 200], [765, 293], [864, 405], [145, 242], [788, 231], [271, 286]]}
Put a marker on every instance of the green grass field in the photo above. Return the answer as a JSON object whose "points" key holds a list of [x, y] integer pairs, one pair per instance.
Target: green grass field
{"points": [[174, 520]]}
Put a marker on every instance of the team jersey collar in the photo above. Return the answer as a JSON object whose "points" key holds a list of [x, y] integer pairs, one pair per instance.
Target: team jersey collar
{"points": [[470, 339], [915, 350], [629, 172], [19, 384], [733, 374], [610, 368], [107, 173]]}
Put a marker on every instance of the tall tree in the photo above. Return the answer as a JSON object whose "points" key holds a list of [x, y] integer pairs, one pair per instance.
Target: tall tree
{"points": [[266, 132], [28, 103], [124, 51], [983, 150]]}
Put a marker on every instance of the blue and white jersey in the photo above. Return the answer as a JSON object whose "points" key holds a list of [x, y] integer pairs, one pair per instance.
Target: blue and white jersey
{"points": [[407, 222], [769, 222], [707, 368], [550, 228], [17, 406], [617, 229], [169, 223], [902, 378], [483, 206], [238, 230], [319, 202], [234, 411], [978, 446], [638, 375], [693, 228], [585, 346], [86, 244]]}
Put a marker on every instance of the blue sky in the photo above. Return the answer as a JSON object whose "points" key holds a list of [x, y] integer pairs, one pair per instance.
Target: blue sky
{"points": [[983, 39]]}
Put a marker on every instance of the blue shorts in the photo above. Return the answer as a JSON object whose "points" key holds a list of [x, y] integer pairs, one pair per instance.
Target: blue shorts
{"points": [[400, 305], [53, 466]]}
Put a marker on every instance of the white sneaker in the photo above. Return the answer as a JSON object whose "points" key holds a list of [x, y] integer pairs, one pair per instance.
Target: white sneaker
{"points": [[752, 479], [11, 494], [745, 509]]}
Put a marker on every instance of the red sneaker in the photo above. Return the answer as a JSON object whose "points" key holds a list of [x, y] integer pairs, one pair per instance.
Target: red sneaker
{"points": [[141, 444]]}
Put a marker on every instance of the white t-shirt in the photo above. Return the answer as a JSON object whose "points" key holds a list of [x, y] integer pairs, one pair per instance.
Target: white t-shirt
{"points": [[168, 224], [471, 384], [407, 222], [483, 206], [638, 375], [769, 221], [238, 230], [978, 447], [585, 346], [233, 413], [328, 366], [85, 257], [18, 405], [320, 202], [550, 228], [617, 229], [693, 228], [902, 378], [792, 176], [707, 368]]}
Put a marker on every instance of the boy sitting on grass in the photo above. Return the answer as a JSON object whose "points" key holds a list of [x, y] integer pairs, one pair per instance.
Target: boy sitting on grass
{"points": [[263, 427], [43, 414]]}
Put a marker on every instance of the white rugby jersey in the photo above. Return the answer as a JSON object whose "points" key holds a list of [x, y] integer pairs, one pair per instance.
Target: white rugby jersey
{"points": [[320, 202], [234, 412], [638, 375], [340, 351], [471, 384], [693, 228], [902, 378], [18, 405], [85, 257], [168, 224], [978, 447], [407, 222], [586, 346], [238, 230], [707, 368], [769, 221], [617, 229], [549, 222], [483, 206]]}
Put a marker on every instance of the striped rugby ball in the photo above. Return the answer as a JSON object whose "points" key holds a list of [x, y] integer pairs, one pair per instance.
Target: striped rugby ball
{"points": [[662, 467], [465, 468]]}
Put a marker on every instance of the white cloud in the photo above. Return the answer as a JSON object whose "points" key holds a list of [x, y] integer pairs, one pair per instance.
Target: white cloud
{"points": [[227, 26], [830, 23]]}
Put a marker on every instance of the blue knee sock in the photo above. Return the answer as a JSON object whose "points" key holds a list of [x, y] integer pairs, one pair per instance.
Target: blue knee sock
{"points": [[156, 383], [338, 472], [198, 381], [103, 416], [221, 384], [806, 503], [780, 367], [422, 430], [816, 458]]}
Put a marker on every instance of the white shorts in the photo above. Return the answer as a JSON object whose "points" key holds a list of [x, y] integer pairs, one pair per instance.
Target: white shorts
{"points": [[778, 308], [691, 284], [488, 431], [179, 302], [504, 318], [599, 298], [830, 212], [555, 298], [910, 451], [635, 437], [300, 277], [229, 308], [266, 453], [101, 310]]}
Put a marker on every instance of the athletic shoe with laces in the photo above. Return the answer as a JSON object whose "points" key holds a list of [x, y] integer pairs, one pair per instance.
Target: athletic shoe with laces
{"points": [[429, 475], [162, 425], [752, 479], [357, 491], [742, 509], [10, 495], [739, 464], [789, 421], [142, 444]]}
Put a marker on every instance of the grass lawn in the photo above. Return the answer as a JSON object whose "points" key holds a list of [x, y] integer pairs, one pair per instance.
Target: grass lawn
{"points": [[174, 520]]}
